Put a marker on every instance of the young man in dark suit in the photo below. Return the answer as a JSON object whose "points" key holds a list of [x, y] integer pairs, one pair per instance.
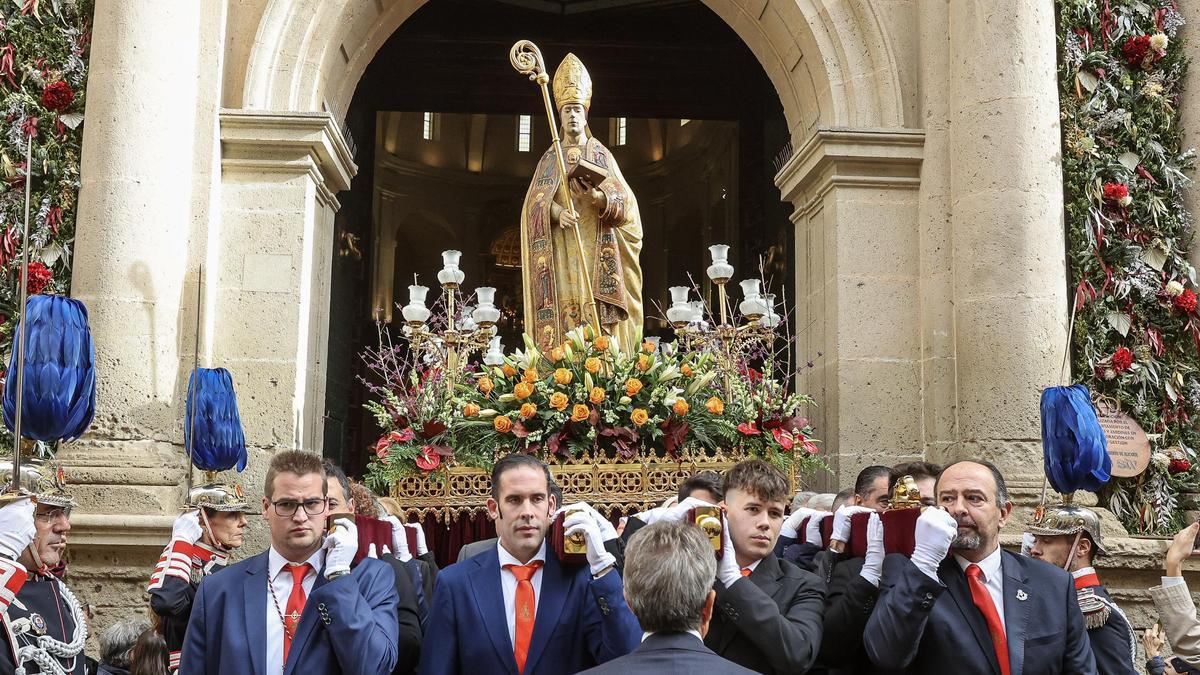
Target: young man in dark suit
{"points": [[768, 611], [980, 609], [669, 574], [518, 610]]}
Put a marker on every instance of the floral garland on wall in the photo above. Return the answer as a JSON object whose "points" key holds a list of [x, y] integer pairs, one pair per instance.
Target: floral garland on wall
{"points": [[1136, 339]]}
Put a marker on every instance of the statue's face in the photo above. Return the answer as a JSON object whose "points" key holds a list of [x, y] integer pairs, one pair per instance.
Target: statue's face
{"points": [[574, 118]]}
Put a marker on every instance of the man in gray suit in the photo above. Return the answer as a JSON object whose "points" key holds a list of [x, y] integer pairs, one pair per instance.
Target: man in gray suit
{"points": [[669, 575]]}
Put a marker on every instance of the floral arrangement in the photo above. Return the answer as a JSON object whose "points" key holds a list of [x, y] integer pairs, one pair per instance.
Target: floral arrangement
{"points": [[583, 398], [1136, 334]]}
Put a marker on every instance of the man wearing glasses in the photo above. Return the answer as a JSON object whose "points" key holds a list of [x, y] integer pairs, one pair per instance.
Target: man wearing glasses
{"points": [[298, 607], [42, 627]]}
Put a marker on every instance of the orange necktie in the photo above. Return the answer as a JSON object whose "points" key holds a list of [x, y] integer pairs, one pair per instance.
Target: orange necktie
{"points": [[983, 600], [746, 571], [295, 606], [526, 610]]}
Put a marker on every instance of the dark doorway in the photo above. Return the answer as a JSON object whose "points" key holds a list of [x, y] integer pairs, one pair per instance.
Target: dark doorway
{"points": [[669, 71]]}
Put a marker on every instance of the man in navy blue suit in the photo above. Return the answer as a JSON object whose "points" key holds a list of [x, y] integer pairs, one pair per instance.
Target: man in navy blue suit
{"points": [[982, 609], [297, 608], [516, 609]]}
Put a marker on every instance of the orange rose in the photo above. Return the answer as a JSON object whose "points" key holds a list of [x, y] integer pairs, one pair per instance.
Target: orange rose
{"points": [[502, 424], [558, 400], [531, 375], [592, 365], [601, 343], [632, 387], [558, 354], [643, 362], [648, 347], [640, 416], [596, 395], [580, 413], [470, 410], [715, 405], [680, 408], [563, 376], [528, 410], [686, 370], [508, 370], [523, 390], [485, 385]]}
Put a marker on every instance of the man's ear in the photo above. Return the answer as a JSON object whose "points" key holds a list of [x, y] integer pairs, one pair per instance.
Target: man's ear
{"points": [[706, 612], [493, 509]]}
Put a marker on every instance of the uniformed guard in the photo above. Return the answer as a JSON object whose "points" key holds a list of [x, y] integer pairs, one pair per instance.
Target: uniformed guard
{"points": [[201, 539], [43, 628], [1068, 535]]}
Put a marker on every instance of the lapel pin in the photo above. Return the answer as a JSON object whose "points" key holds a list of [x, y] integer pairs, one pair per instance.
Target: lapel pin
{"points": [[1022, 595]]}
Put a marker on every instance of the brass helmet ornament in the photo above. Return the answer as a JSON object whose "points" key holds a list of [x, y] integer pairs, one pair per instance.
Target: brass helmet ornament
{"points": [[1069, 519], [216, 496], [46, 483]]}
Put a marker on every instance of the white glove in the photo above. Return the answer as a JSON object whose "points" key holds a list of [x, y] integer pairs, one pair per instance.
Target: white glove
{"points": [[812, 533], [728, 571], [1027, 542], [399, 539], [599, 559], [841, 521], [872, 569], [372, 552], [17, 529], [606, 528], [422, 549], [341, 545], [791, 526], [935, 532], [187, 527], [671, 513]]}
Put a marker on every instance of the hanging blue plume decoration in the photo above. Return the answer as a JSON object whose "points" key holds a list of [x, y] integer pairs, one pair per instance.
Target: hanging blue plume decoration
{"points": [[212, 416], [1072, 440], [60, 373]]}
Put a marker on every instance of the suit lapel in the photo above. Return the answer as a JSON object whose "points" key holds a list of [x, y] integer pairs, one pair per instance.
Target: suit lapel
{"points": [[308, 622], [489, 600], [254, 591], [556, 584], [766, 576], [956, 584], [1016, 609]]}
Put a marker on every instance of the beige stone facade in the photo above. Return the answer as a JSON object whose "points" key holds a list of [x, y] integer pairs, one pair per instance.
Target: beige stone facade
{"points": [[925, 181]]}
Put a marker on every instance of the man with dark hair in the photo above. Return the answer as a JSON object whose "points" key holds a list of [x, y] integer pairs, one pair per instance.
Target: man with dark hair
{"points": [[669, 583], [871, 488], [768, 616], [408, 649], [476, 547], [924, 473], [980, 609], [704, 485], [298, 607], [517, 608], [701, 489]]}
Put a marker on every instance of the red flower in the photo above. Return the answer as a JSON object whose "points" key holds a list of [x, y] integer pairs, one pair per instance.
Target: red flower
{"points": [[1178, 466], [1122, 359], [382, 446], [1136, 49], [810, 447], [1115, 192], [57, 96], [1185, 301], [748, 429], [783, 438], [429, 459], [403, 436], [39, 278]]}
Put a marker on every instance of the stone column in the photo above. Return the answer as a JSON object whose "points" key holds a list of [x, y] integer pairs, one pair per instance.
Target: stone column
{"points": [[1010, 303], [857, 290]]}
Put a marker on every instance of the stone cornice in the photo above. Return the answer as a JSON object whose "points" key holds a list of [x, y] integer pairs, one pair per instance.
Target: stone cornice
{"points": [[289, 142], [889, 158], [102, 529]]}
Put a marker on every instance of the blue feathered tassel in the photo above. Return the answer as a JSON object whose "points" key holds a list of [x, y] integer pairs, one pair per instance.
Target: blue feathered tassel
{"points": [[1072, 440], [60, 373], [219, 443]]}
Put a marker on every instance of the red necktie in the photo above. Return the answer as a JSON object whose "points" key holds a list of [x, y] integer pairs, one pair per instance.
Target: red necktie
{"points": [[746, 571], [526, 610], [983, 600], [295, 606]]}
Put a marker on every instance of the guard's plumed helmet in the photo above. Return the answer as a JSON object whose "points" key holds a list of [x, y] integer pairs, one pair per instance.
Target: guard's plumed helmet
{"points": [[1069, 519], [46, 482], [217, 497]]}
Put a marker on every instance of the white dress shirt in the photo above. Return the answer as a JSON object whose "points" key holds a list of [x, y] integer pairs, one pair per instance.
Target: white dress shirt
{"points": [[281, 580], [508, 583], [993, 579]]}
